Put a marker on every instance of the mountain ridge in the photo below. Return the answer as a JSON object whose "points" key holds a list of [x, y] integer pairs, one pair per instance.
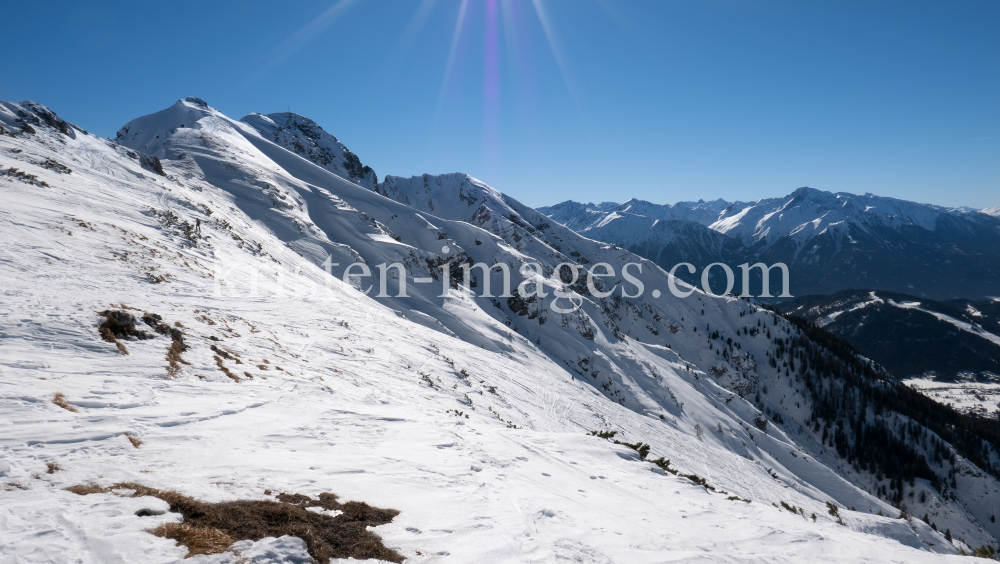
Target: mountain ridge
{"points": [[863, 241], [663, 372], [954, 345]]}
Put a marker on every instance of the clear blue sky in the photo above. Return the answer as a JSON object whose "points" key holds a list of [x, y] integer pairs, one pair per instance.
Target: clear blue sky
{"points": [[551, 100]]}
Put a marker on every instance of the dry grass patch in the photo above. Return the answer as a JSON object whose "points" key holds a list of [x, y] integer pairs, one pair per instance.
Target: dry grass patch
{"points": [[106, 334], [60, 400], [177, 346], [86, 489], [174, 359], [226, 371], [197, 540], [52, 467], [133, 439], [228, 355], [211, 528]]}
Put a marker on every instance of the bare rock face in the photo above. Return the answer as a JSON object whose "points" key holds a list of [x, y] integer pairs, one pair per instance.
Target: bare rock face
{"points": [[119, 324], [156, 322], [152, 163]]}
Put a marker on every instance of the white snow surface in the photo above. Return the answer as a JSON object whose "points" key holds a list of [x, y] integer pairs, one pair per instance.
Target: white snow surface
{"points": [[474, 430], [965, 394]]}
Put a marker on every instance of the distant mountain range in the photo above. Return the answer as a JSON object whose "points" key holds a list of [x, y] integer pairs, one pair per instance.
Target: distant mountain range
{"points": [[830, 241]]}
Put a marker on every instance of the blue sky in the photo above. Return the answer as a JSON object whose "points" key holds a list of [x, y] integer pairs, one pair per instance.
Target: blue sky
{"points": [[551, 100]]}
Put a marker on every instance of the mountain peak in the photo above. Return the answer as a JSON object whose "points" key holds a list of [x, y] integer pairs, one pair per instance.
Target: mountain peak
{"points": [[308, 139], [23, 116], [150, 133], [808, 192], [196, 101], [454, 195], [307, 126]]}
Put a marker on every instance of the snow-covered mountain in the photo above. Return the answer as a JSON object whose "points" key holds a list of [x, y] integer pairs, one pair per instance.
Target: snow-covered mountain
{"points": [[954, 344], [299, 134], [585, 217], [201, 306], [304, 137], [864, 241], [965, 333]]}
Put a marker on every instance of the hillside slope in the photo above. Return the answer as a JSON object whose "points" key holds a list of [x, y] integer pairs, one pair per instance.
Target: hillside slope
{"points": [[465, 413], [951, 350]]}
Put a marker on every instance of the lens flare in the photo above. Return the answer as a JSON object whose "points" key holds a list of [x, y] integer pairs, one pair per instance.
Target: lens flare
{"points": [[491, 89], [556, 52], [302, 37]]}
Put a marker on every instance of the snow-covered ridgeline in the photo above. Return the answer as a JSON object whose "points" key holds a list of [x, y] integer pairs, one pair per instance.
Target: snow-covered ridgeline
{"points": [[365, 400]]}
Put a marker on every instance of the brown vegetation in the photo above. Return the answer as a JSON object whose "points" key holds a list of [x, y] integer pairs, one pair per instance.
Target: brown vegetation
{"points": [[210, 528], [85, 489], [226, 354], [174, 359], [177, 345], [226, 371], [60, 400], [133, 439], [198, 540], [119, 324]]}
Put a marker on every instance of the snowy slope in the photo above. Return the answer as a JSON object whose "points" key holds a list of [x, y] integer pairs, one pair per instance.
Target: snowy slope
{"points": [[309, 385], [966, 393]]}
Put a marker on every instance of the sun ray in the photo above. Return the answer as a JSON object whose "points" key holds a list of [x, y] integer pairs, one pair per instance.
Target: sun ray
{"points": [[518, 65], [518, 62], [491, 89], [556, 52], [611, 10], [302, 37], [452, 51], [413, 27]]}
